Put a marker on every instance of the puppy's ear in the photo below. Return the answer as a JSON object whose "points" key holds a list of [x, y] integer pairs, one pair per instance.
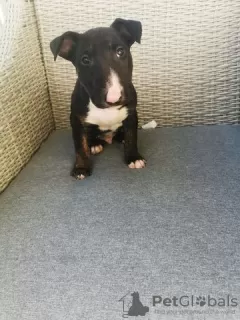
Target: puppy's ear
{"points": [[65, 46], [129, 30]]}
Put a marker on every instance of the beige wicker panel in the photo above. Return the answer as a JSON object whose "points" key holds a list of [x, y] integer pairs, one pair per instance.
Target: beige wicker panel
{"points": [[25, 112], [186, 69]]}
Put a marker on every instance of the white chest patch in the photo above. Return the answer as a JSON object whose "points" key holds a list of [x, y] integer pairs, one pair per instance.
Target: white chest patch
{"points": [[107, 119]]}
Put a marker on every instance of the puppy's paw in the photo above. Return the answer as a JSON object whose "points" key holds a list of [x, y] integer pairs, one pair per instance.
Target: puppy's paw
{"points": [[96, 149], [80, 173], [137, 162]]}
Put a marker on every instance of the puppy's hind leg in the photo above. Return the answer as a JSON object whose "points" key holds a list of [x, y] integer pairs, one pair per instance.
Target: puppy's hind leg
{"points": [[119, 135]]}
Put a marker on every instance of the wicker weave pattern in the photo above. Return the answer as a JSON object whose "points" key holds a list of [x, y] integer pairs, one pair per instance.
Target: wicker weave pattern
{"points": [[25, 113], [186, 70]]}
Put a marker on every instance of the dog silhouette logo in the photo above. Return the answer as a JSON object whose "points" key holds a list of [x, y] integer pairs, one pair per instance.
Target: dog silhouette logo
{"points": [[135, 307]]}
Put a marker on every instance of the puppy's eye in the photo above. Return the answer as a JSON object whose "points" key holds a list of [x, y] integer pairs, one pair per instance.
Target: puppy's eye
{"points": [[120, 52], [85, 60]]}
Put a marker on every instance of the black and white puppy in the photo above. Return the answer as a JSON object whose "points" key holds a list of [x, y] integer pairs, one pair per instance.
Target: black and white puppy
{"points": [[103, 104]]}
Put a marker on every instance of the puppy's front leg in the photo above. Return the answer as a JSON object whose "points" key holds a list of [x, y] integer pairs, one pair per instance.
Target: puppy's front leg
{"points": [[82, 166], [132, 156]]}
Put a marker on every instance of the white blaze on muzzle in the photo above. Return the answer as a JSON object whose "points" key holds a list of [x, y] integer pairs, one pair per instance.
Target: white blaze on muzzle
{"points": [[114, 88]]}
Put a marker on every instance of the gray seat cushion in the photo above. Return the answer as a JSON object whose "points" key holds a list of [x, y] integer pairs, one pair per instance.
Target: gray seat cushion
{"points": [[71, 249]]}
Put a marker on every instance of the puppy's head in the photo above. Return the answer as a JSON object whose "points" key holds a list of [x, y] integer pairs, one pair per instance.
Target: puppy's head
{"points": [[102, 59]]}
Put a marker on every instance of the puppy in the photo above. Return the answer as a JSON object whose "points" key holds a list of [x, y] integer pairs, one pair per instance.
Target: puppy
{"points": [[103, 103]]}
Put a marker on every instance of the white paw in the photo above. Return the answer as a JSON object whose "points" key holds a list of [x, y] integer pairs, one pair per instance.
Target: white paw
{"points": [[80, 177], [96, 149], [138, 164]]}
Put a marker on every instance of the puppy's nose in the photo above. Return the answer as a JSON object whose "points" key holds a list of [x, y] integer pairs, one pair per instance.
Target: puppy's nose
{"points": [[113, 96]]}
